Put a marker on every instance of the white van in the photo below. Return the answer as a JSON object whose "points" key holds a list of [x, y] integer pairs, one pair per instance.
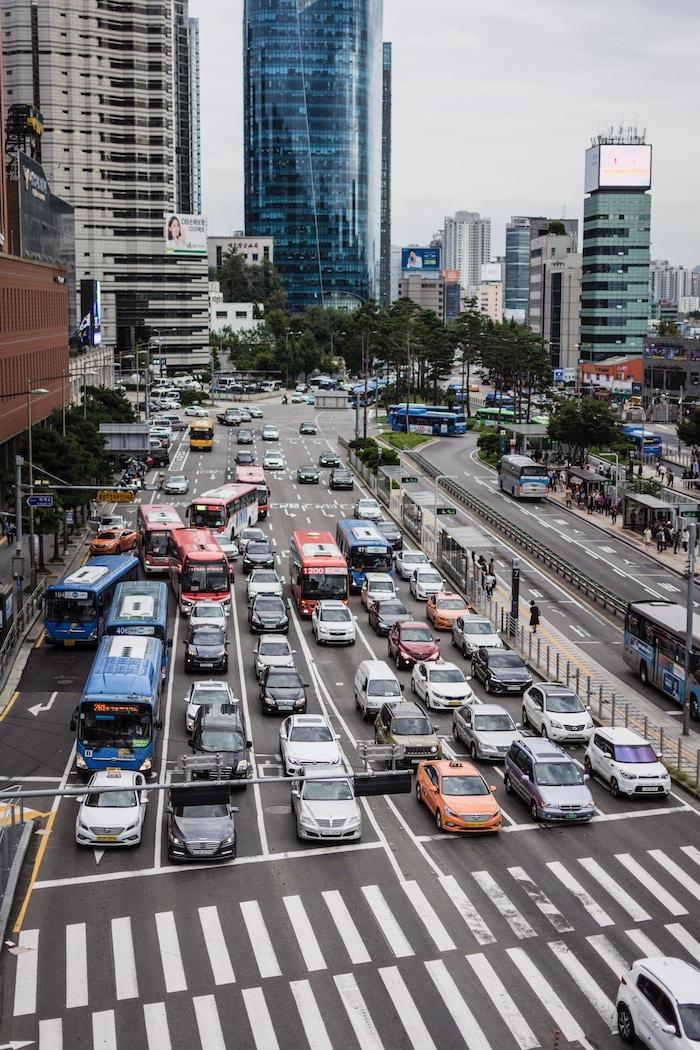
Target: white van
{"points": [[375, 684]]}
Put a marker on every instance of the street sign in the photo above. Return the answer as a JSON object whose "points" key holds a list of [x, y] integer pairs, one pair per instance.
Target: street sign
{"points": [[40, 501], [114, 496], [447, 510], [408, 480]]}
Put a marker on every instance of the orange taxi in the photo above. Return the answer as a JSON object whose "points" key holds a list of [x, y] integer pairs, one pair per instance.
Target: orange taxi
{"points": [[443, 609], [458, 797], [114, 541]]}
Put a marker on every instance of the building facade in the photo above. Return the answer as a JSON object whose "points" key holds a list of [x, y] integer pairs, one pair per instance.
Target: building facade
{"points": [[671, 283], [385, 223], [555, 292], [466, 245], [517, 267], [426, 292], [104, 81], [312, 143], [188, 151], [489, 299], [253, 249]]}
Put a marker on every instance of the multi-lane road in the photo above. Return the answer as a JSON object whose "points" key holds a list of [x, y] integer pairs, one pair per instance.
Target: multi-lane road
{"points": [[406, 939]]}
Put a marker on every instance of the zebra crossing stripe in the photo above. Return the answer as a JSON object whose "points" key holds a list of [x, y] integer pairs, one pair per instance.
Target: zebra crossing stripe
{"points": [[354, 945], [304, 933], [311, 1017], [51, 1034], [591, 906], [26, 973], [515, 919], [215, 943], [570, 1028], [76, 965], [623, 898], [426, 913], [170, 957], [260, 939], [541, 900], [405, 1007], [387, 923], [676, 872], [156, 1021], [608, 953], [659, 892], [259, 1019], [363, 1026], [691, 945], [595, 995], [467, 910], [462, 1016], [125, 980], [503, 1001], [104, 1032], [208, 1023]]}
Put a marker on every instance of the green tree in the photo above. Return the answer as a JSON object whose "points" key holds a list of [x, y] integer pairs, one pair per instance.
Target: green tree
{"points": [[669, 328], [688, 430], [467, 333], [580, 424]]}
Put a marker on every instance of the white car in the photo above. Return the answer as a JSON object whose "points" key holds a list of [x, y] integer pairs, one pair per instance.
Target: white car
{"points": [[407, 561], [326, 809], [658, 1001], [425, 582], [626, 762], [113, 818], [270, 432], [263, 581], [298, 398], [273, 461], [250, 535], [377, 587], [272, 650], [470, 633], [441, 685], [209, 612], [197, 411], [332, 623], [308, 740], [487, 730], [206, 694], [556, 712], [255, 412], [367, 509]]}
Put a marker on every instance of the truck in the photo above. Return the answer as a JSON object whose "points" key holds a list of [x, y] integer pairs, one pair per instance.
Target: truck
{"points": [[230, 417]]}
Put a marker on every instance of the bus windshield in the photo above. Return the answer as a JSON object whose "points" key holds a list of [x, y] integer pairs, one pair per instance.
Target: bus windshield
{"points": [[80, 607], [324, 585], [370, 559], [121, 725], [206, 577], [157, 543], [207, 517]]}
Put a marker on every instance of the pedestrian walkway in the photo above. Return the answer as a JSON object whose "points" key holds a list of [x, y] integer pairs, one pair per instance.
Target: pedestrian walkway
{"points": [[313, 961]]}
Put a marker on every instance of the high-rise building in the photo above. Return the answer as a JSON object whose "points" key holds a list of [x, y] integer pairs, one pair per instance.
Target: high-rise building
{"points": [[555, 292], [188, 158], [104, 82], [312, 142], [385, 237], [489, 294], [616, 238], [517, 277], [671, 283], [466, 245]]}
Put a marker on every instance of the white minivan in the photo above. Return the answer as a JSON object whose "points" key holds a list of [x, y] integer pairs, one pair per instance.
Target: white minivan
{"points": [[375, 684], [626, 762]]}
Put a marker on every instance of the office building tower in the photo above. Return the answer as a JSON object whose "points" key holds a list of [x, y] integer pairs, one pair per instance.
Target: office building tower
{"points": [[466, 245], [517, 275], [671, 283], [188, 159], [385, 235], [106, 92], [426, 292], [616, 238], [555, 291], [312, 143]]}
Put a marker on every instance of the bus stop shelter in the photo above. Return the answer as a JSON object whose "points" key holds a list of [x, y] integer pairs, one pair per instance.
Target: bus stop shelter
{"points": [[588, 480], [640, 509], [525, 436]]}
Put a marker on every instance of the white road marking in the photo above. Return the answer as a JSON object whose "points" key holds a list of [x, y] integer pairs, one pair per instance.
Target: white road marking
{"points": [[393, 934], [691, 945], [259, 1018], [215, 942], [676, 872], [51, 1034], [517, 922], [156, 1021], [104, 1032], [76, 965], [427, 915], [591, 906], [311, 1016], [304, 933], [405, 1007], [503, 1001], [163, 776], [541, 900], [26, 973], [644, 943], [608, 953], [170, 956], [461, 1014], [623, 898], [125, 982], [350, 936], [365, 1032], [603, 1006], [467, 910], [260, 939], [548, 997], [658, 892], [208, 1023], [244, 701]]}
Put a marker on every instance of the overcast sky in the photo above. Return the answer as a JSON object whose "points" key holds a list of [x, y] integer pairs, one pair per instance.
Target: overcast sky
{"points": [[495, 104]]}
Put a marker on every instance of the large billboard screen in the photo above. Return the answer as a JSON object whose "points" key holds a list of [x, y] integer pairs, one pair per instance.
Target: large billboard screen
{"points": [[618, 167], [185, 234], [90, 329], [420, 259]]}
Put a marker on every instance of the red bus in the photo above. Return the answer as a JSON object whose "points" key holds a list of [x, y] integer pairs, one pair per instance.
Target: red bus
{"points": [[155, 522], [317, 570], [199, 570], [255, 476], [227, 509]]}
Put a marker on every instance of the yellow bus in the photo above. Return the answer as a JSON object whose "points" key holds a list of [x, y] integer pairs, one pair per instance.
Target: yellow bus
{"points": [[202, 434]]}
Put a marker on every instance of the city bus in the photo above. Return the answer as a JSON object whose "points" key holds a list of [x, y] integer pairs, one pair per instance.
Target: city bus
{"points": [[228, 509], [76, 605], [654, 647], [364, 549], [493, 417], [316, 570], [117, 717], [422, 419], [255, 476], [202, 434], [154, 523], [199, 570], [522, 477], [642, 439], [140, 608]]}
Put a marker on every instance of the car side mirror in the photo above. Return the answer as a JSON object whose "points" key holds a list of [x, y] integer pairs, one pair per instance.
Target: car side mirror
{"points": [[588, 707], [435, 728], [306, 685], [159, 725], [669, 1029], [80, 798], [295, 792], [492, 787], [73, 725], [249, 743], [518, 725], [402, 687], [169, 643]]}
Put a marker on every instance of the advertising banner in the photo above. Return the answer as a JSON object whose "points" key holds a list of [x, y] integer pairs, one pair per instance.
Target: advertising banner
{"points": [[90, 328], [420, 259], [185, 234]]}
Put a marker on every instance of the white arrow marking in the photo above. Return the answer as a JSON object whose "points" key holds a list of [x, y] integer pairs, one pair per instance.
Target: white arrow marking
{"points": [[17, 1044], [37, 710], [99, 854], [535, 594]]}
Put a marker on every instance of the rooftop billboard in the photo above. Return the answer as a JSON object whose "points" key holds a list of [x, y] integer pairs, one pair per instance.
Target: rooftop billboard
{"points": [[618, 166], [420, 259], [185, 234]]}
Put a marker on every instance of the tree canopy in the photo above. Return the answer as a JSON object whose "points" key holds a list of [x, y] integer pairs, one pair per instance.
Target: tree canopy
{"points": [[580, 424]]}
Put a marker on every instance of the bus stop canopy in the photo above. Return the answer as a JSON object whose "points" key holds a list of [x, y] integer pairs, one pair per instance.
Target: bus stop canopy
{"points": [[528, 430], [589, 477]]}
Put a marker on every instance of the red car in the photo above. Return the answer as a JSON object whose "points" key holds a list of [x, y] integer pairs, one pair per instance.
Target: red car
{"points": [[410, 642]]}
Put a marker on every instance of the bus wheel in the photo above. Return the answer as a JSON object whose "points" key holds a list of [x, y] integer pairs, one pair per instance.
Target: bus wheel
{"points": [[694, 708], [643, 673]]}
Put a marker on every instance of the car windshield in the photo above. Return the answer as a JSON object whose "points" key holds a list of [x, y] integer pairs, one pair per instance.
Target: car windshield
{"points": [[635, 753], [392, 609], [196, 812], [327, 791], [311, 734], [383, 687], [557, 774], [264, 576], [412, 726], [178, 479], [209, 635], [252, 534], [381, 585], [446, 674], [563, 703], [274, 649], [464, 785], [387, 528], [204, 610], [429, 578], [414, 558], [451, 603], [269, 604], [258, 547], [111, 800], [367, 504], [493, 723], [288, 680], [210, 695], [110, 534], [336, 615], [505, 660], [308, 469], [477, 627], [690, 1019], [416, 634], [221, 740]]}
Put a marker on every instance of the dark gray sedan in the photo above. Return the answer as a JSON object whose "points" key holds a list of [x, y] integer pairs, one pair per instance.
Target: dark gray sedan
{"points": [[308, 475]]}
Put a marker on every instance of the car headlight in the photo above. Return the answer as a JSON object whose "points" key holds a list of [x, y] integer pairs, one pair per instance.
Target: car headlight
{"points": [[131, 827], [554, 724], [308, 822], [84, 826], [451, 812], [80, 762], [628, 776], [300, 702], [256, 619], [229, 840], [93, 634], [176, 841], [665, 775], [242, 765], [433, 749]]}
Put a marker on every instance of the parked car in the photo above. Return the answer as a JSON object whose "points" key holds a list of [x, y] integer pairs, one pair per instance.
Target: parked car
{"points": [[409, 641], [383, 614], [486, 730], [113, 818], [444, 608], [263, 581], [626, 762], [258, 555], [501, 671], [376, 586], [392, 533], [407, 561], [267, 614], [367, 509], [206, 648], [469, 633], [273, 460], [208, 693], [328, 459], [375, 684], [441, 685], [340, 478], [270, 432], [307, 740], [557, 712], [326, 809], [272, 650], [176, 485], [658, 1001], [548, 781], [308, 428], [425, 582], [282, 689], [201, 824], [458, 797], [308, 475], [332, 623], [196, 411], [406, 724], [220, 733]]}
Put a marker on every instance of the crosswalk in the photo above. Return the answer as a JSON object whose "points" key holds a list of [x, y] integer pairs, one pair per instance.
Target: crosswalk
{"points": [[492, 948]]}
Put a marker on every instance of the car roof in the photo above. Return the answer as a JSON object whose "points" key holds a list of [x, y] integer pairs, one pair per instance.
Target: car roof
{"points": [[447, 594], [488, 709], [380, 577], [332, 603], [274, 638], [681, 978], [552, 688], [309, 720], [212, 683], [620, 735], [544, 749], [406, 708], [372, 667], [493, 650], [453, 767], [442, 665], [218, 717], [113, 776]]}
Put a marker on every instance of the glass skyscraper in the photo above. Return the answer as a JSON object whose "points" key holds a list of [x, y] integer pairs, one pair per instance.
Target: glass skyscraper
{"points": [[312, 141]]}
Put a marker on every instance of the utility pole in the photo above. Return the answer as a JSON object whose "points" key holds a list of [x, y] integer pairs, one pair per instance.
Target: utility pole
{"points": [[365, 355], [690, 609]]}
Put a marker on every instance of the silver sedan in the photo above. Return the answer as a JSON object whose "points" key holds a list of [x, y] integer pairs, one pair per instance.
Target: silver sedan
{"points": [[487, 730]]}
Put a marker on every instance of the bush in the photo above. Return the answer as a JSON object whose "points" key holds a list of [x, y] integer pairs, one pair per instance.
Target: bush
{"points": [[372, 454]]}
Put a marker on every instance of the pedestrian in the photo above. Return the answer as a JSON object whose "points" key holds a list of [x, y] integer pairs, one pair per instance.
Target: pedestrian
{"points": [[591, 504], [568, 496], [6, 531], [660, 541], [684, 539], [670, 479], [534, 616], [489, 584], [613, 514], [647, 537], [639, 471], [676, 539], [492, 566], [633, 520]]}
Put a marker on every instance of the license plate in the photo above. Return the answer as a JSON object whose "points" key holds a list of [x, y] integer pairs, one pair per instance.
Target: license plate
{"points": [[456, 703], [649, 787], [69, 641], [105, 838], [571, 816], [473, 825], [202, 663]]}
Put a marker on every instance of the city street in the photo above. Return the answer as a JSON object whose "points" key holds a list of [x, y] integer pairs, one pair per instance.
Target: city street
{"points": [[408, 938]]}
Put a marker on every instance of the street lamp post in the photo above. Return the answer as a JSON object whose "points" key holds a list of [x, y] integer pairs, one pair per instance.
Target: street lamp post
{"points": [[31, 392]]}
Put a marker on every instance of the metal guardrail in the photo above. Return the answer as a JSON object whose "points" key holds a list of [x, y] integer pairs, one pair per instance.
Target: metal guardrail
{"points": [[21, 623], [601, 595]]}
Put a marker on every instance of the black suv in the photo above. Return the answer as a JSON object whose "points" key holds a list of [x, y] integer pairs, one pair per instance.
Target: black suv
{"points": [[221, 731], [206, 648], [341, 478], [201, 825], [282, 689], [501, 671], [308, 475]]}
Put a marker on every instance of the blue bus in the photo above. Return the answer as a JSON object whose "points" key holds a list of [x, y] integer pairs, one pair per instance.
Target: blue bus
{"points": [[364, 549], [140, 607], [427, 420], [75, 606], [117, 717], [641, 438]]}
